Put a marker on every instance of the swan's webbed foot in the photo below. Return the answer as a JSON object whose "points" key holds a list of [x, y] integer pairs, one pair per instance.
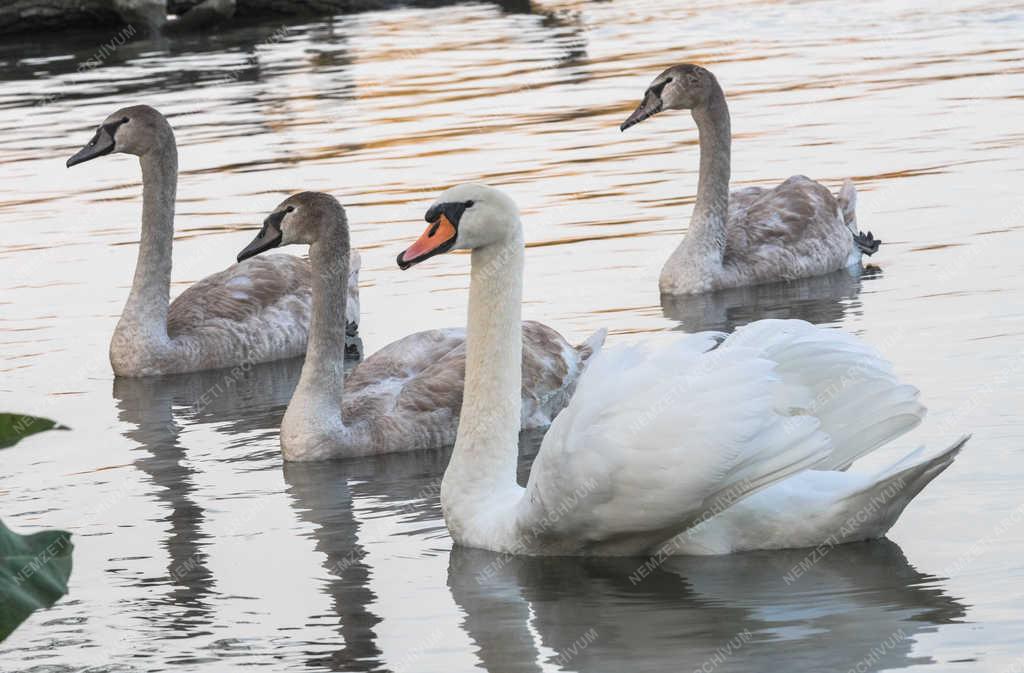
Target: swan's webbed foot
{"points": [[867, 243], [353, 347]]}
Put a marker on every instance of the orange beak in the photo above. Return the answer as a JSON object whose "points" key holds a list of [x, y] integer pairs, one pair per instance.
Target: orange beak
{"points": [[438, 238]]}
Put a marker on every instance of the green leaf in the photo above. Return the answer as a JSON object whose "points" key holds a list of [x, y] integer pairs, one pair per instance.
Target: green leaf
{"points": [[34, 572], [16, 427]]}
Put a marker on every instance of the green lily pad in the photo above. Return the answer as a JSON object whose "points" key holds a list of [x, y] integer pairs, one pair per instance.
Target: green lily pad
{"points": [[34, 572], [16, 427], [34, 569]]}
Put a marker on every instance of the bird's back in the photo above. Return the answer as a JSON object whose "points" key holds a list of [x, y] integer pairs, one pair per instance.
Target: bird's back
{"points": [[794, 230]]}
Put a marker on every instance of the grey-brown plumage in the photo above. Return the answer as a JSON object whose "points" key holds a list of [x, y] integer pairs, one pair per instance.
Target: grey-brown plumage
{"points": [[241, 292], [791, 231], [252, 312], [408, 395], [754, 235], [411, 390]]}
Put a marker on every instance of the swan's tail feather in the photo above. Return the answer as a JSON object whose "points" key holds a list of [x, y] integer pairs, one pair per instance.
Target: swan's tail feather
{"points": [[352, 299], [353, 343], [847, 199], [592, 345], [879, 505]]}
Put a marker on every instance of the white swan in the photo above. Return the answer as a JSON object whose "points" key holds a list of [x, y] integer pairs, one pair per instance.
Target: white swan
{"points": [[407, 395], [248, 313], [658, 439], [753, 235]]}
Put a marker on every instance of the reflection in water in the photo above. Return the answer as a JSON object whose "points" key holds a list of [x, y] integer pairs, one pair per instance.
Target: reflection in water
{"points": [[403, 485], [526, 614], [566, 28], [235, 50], [322, 495], [819, 300], [597, 614], [240, 401]]}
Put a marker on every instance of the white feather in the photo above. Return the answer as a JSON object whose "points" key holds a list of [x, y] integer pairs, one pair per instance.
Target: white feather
{"points": [[670, 438]]}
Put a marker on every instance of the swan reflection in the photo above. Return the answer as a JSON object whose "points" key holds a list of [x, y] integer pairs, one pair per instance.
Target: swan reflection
{"points": [[599, 614], [402, 486], [819, 300], [239, 403], [859, 603]]}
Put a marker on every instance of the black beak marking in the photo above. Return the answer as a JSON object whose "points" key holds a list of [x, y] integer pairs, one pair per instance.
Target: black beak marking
{"points": [[649, 106], [452, 210], [102, 143], [268, 238]]}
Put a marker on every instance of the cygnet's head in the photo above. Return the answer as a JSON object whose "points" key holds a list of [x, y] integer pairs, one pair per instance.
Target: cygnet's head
{"points": [[301, 219], [137, 130], [681, 87]]}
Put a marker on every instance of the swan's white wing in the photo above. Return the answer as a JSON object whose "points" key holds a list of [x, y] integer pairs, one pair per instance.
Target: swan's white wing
{"points": [[841, 380], [658, 439]]}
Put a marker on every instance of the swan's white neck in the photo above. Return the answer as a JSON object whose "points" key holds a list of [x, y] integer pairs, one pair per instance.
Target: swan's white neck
{"points": [[700, 252], [145, 312], [482, 469]]}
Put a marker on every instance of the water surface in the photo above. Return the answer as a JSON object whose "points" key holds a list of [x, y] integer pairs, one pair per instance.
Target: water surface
{"points": [[196, 549]]}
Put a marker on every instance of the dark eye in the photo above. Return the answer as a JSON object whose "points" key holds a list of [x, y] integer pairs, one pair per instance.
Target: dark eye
{"points": [[469, 204], [125, 120], [657, 88], [290, 209]]}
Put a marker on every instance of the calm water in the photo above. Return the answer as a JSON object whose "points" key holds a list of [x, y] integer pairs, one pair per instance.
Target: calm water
{"points": [[196, 549]]}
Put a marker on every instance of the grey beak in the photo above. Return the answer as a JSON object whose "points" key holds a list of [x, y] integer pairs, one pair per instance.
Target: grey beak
{"points": [[269, 237], [650, 106], [101, 143]]}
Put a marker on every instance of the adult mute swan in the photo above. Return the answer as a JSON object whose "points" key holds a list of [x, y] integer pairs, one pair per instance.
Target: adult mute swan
{"points": [[249, 313], [659, 439], [753, 235], [407, 395]]}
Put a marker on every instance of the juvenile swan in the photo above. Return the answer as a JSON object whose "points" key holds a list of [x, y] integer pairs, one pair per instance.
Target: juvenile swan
{"points": [[408, 394], [658, 439], [248, 313], [753, 235]]}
